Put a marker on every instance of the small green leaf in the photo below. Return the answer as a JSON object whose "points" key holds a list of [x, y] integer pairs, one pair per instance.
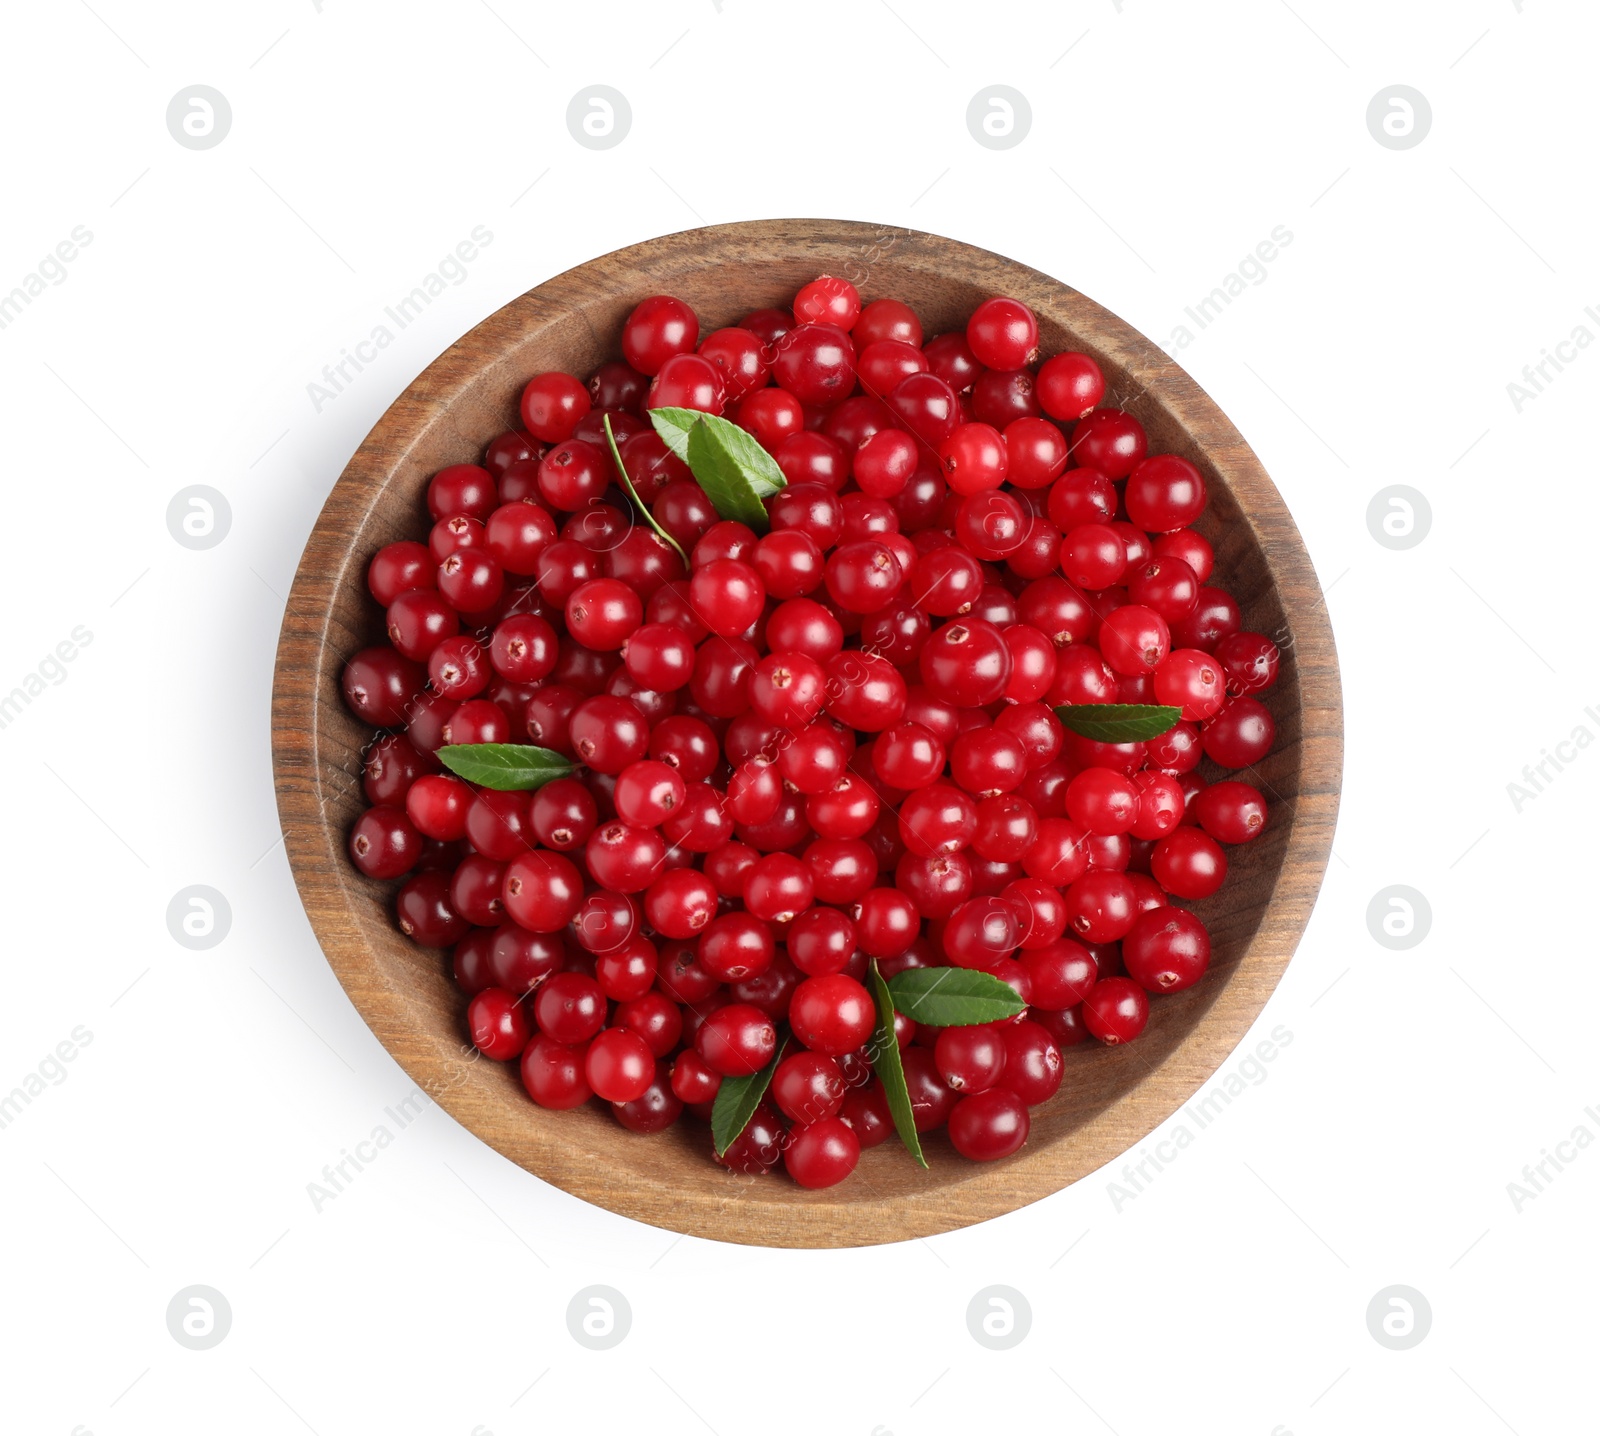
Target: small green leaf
{"points": [[733, 469], [673, 426], [737, 1099], [627, 483], [505, 766], [953, 996], [886, 1063], [1118, 722]]}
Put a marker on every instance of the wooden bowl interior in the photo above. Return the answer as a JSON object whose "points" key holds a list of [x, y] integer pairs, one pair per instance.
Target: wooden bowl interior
{"points": [[1111, 1096]]}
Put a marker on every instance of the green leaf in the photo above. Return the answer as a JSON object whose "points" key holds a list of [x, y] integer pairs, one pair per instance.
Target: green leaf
{"points": [[737, 1099], [953, 996], [505, 766], [627, 483], [733, 469], [886, 1063], [1118, 722], [673, 426]]}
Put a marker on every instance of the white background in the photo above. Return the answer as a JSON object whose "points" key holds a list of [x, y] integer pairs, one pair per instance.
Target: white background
{"points": [[1167, 140]]}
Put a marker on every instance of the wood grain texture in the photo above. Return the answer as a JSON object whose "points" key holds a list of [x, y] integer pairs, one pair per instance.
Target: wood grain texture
{"points": [[1112, 1097]]}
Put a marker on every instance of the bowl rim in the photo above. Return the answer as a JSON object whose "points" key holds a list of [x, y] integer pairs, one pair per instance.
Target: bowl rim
{"points": [[307, 663]]}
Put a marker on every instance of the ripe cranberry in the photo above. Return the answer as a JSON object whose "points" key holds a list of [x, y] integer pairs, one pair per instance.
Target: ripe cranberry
{"points": [[966, 663], [989, 1125], [424, 914], [655, 1017], [808, 1086], [827, 300], [1033, 1062], [1061, 974], [1116, 1010], [687, 381], [1230, 812], [987, 762], [552, 405], [927, 405], [680, 903], [437, 806], [618, 1066], [1003, 334], [820, 941], [1058, 855], [653, 1110], [736, 1040], [1002, 396], [1069, 386], [865, 691], [1216, 617], [496, 1022], [1192, 680], [605, 921], [937, 819], [1108, 441], [542, 891], [970, 1059], [812, 458], [627, 971], [1241, 734], [658, 328], [815, 362], [973, 456], [886, 922], [461, 489], [1189, 864], [841, 871], [692, 1080], [866, 1110], [1164, 493], [739, 359], [1166, 950], [384, 843], [569, 1008], [771, 415], [756, 1149], [1134, 639], [1249, 662], [393, 765], [379, 685], [832, 1014], [397, 568], [822, 1153], [553, 1074], [982, 933], [1100, 906], [932, 1100], [736, 946]]}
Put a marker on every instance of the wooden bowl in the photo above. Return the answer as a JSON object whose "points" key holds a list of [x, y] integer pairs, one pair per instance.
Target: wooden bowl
{"points": [[1111, 1097]]}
